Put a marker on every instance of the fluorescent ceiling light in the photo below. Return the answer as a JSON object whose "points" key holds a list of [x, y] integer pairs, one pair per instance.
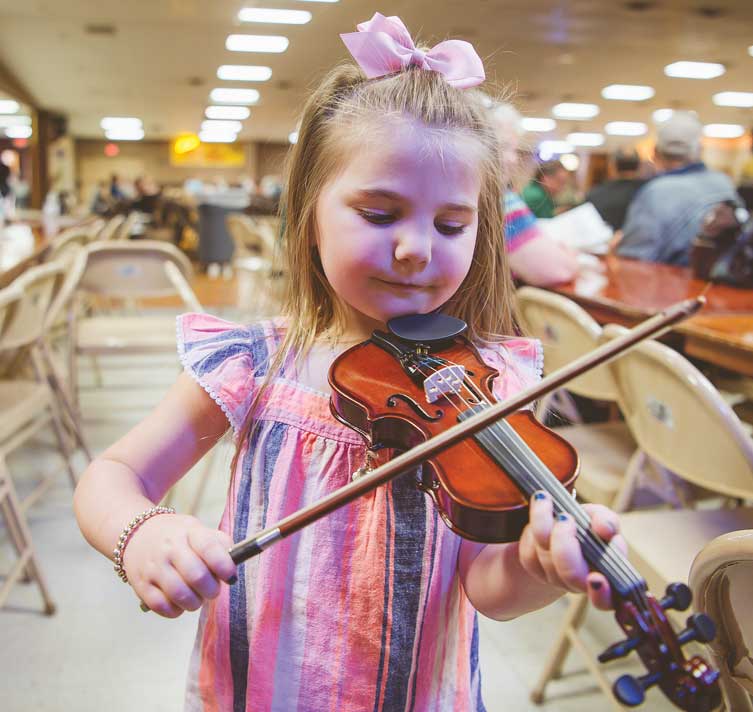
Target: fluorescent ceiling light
{"points": [[627, 92], [120, 122], [585, 139], [18, 131], [217, 137], [694, 70], [125, 134], [626, 128], [234, 96], [256, 43], [15, 120], [244, 73], [723, 130], [570, 161], [8, 106], [547, 149], [530, 123], [575, 111], [237, 113], [277, 17], [210, 125], [742, 99], [293, 137]]}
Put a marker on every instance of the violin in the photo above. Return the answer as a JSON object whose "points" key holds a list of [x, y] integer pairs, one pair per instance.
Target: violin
{"points": [[422, 390]]}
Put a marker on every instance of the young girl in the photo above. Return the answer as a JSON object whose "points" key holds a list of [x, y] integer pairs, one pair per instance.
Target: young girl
{"points": [[392, 207]]}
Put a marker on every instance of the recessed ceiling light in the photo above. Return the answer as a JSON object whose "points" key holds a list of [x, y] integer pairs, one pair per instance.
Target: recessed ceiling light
{"points": [[743, 99], [277, 17], [217, 136], [234, 96], [626, 128], [581, 138], [237, 113], [18, 131], [125, 134], [244, 73], [293, 137], [8, 106], [750, 50], [575, 111], [627, 92], [723, 130], [547, 149], [661, 115], [256, 43], [211, 125], [530, 123], [112, 123], [694, 70], [16, 120]]}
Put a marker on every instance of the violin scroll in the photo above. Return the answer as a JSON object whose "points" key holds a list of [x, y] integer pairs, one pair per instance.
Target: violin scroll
{"points": [[691, 684]]}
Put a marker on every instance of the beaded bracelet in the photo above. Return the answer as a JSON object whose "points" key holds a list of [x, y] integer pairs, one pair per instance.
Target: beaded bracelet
{"points": [[127, 533]]}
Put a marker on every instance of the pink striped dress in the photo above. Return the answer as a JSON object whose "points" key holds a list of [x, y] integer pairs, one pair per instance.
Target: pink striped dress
{"points": [[362, 611]]}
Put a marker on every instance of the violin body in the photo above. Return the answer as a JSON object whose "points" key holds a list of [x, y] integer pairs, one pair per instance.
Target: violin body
{"points": [[374, 394]]}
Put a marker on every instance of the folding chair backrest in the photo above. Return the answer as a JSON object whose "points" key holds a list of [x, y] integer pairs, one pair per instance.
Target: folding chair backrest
{"points": [[10, 300], [679, 419], [721, 579], [39, 286], [110, 230], [567, 332], [137, 270], [74, 263], [126, 227], [245, 237]]}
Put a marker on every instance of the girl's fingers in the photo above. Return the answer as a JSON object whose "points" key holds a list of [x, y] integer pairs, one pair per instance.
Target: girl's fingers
{"points": [[530, 558], [599, 592], [212, 546], [604, 521], [157, 601], [570, 567], [176, 590], [540, 518], [194, 572]]}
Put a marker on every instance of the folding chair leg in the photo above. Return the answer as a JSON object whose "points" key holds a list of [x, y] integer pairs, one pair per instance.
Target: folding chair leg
{"points": [[14, 533], [27, 561], [73, 415]]}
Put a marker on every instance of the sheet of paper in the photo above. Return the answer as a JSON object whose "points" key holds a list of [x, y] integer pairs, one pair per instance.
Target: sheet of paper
{"points": [[580, 229]]}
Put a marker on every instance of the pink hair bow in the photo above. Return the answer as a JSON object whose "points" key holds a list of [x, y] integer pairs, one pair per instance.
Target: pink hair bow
{"points": [[383, 45]]}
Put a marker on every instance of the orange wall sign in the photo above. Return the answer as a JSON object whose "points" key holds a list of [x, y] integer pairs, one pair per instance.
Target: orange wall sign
{"points": [[187, 150]]}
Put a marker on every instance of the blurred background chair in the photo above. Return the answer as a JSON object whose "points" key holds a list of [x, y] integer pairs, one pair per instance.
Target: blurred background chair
{"points": [[698, 458], [721, 578], [118, 276], [607, 450]]}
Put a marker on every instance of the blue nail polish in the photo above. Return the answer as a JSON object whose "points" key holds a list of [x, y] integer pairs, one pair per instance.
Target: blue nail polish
{"points": [[562, 517], [595, 585], [539, 496]]}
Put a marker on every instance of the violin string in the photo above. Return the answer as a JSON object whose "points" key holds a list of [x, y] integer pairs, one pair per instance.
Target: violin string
{"points": [[601, 552]]}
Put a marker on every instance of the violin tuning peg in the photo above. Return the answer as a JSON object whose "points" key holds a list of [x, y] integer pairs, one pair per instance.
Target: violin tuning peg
{"points": [[700, 628], [631, 691], [678, 597], [619, 650]]}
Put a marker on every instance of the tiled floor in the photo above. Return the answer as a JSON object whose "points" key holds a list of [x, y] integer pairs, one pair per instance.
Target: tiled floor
{"points": [[100, 653]]}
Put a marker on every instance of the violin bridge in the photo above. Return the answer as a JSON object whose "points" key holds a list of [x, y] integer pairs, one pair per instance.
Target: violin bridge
{"points": [[446, 380]]}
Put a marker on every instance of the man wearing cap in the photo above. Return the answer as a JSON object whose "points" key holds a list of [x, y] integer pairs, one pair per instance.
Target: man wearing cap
{"points": [[666, 213]]}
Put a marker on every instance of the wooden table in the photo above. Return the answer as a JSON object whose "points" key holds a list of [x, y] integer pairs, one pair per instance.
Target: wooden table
{"points": [[628, 291]]}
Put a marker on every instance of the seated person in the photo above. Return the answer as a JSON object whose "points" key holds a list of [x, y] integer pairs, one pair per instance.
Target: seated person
{"points": [[612, 198], [534, 258], [539, 195], [666, 213]]}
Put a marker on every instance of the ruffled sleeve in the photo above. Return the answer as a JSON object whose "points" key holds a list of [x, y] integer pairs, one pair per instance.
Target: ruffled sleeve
{"points": [[227, 360], [520, 363]]}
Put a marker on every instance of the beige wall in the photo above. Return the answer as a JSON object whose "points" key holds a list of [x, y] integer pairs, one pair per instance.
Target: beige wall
{"points": [[151, 158]]}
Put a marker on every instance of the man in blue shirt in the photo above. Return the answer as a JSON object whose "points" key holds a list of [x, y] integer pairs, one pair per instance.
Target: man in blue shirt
{"points": [[666, 213]]}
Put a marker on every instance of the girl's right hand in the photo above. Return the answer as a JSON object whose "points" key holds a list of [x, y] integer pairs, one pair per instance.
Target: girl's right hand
{"points": [[174, 563]]}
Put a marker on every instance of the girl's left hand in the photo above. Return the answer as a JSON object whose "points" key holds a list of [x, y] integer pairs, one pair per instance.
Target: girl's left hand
{"points": [[550, 553]]}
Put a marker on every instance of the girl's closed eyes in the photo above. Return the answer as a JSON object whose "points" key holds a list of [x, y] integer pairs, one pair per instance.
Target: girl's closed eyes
{"points": [[384, 218]]}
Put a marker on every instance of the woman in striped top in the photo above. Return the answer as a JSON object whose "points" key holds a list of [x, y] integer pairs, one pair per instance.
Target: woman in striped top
{"points": [[393, 206]]}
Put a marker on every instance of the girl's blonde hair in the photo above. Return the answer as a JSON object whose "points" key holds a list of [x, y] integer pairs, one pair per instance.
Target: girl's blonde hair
{"points": [[339, 113]]}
